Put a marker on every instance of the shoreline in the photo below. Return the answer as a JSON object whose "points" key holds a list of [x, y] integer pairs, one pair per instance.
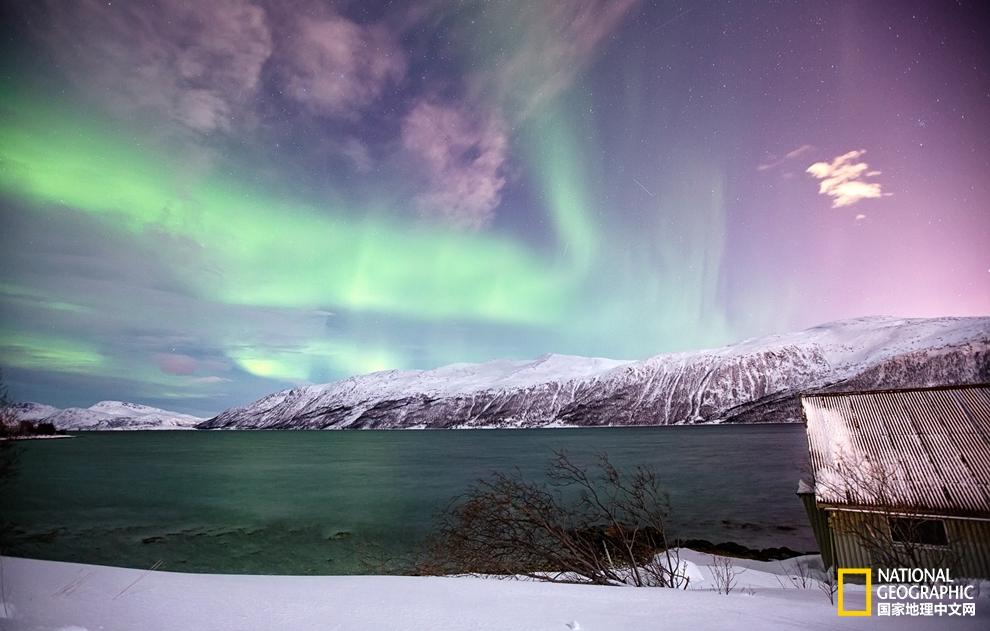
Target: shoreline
{"points": [[40, 437], [484, 428], [73, 433], [732, 550]]}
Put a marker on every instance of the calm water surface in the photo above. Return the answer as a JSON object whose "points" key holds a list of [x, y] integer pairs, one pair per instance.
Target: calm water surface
{"points": [[343, 502]]}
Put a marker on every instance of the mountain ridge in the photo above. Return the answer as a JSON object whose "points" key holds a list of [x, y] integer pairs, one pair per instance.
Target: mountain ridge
{"points": [[757, 379], [104, 416]]}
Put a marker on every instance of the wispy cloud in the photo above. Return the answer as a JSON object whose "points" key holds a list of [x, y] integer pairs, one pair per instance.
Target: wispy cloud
{"points": [[336, 67], [790, 155], [358, 154], [211, 380], [461, 155], [842, 179], [462, 149], [553, 43], [197, 63], [196, 69], [176, 363]]}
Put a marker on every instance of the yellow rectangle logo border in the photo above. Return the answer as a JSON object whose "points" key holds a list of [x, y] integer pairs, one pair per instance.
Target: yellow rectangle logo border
{"points": [[868, 573]]}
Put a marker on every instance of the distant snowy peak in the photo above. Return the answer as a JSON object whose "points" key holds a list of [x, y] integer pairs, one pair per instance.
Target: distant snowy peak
{"points": [[106, 415], [34, 412], [122, 408], [752, 381]]}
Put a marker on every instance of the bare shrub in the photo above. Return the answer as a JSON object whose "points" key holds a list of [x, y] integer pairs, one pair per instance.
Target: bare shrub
{"points": [[583, 525], [9, 427], [805, 576], [828, 585], [666, 569], [724, 574]]}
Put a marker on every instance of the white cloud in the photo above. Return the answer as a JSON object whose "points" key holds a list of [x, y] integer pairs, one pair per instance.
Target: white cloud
{"points": [[200, 63], [197, 63], [461, 155], [336, 67], [842, 179]]}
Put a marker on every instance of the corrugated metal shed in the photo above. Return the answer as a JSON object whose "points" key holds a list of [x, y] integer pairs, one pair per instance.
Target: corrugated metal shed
{"points": [[923, 451]]}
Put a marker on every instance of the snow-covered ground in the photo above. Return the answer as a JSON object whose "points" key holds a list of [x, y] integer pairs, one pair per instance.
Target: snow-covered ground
{"points": [[48, 595]]}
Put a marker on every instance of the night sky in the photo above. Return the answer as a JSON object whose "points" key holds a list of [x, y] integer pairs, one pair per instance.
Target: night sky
{"points": [[204, 202]]}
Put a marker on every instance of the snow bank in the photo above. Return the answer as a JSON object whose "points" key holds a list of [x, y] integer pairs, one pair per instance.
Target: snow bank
{"points": [[48, 595]]}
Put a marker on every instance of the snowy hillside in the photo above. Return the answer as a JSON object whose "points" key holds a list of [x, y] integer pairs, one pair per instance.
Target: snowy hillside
{"points": [[34, 412], [755, 380], [105, 415]]}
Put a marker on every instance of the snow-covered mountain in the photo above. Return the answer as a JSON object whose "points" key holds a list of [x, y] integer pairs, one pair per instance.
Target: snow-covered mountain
{"points": [[34, 412], [105, 415], [756, 380]]}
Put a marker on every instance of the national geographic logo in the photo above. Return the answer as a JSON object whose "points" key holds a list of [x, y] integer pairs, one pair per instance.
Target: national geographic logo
{"points": [[909, 592], [855, 571]]}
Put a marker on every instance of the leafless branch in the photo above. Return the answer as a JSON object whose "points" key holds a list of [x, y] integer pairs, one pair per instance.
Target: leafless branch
{"points": [[583, 525]]}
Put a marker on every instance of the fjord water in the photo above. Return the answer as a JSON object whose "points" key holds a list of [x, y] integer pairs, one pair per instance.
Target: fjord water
{"points": [[337, 502]]}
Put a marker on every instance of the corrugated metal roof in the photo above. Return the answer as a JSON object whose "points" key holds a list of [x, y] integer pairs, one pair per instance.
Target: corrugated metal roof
{"points": [[925, 450]]}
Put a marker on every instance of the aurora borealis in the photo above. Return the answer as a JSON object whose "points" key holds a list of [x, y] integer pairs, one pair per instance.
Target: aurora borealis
{"points": [[206, 202]]}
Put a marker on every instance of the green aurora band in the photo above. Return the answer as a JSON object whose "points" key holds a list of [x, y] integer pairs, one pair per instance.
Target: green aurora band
{"points": [[41, 352], [268, 252]]}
